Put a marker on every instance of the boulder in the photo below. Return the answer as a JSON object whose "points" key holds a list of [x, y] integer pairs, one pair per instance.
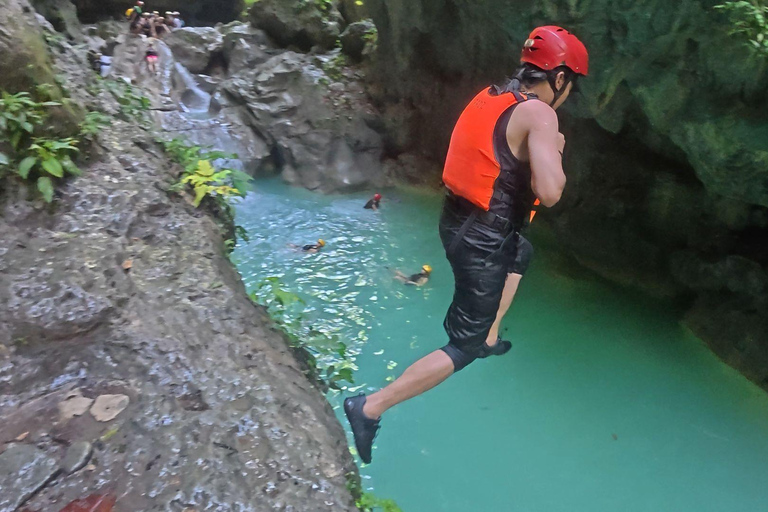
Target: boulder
{"points": [[62, 15], [353, 10], [24, 60], [298, 23], [244, 46], [355, 38], [320, 139], [194, 47]]}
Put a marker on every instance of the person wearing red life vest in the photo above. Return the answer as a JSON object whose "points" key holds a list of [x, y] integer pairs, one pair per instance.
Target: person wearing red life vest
{"points": [[505, 156]]}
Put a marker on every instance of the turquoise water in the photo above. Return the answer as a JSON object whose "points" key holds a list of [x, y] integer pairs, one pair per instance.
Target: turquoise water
{"points": [[605, 403]]}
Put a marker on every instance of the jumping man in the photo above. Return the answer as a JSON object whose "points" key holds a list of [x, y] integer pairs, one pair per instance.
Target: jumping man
{"points": [[505, 154]]}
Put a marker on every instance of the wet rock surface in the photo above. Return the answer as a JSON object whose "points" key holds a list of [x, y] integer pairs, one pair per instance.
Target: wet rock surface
{"points": [[194, 48], [297, 23], [24, 470], [305, 117], [215, 411], [77, 456]]}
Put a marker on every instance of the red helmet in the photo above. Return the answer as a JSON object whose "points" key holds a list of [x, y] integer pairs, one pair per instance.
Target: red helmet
{"points": [[550, 47], [377, 197]]}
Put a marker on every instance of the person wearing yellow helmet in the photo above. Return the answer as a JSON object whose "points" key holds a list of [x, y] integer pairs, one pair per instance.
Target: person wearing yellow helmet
{"points": [[314, 248], [419, 279]]}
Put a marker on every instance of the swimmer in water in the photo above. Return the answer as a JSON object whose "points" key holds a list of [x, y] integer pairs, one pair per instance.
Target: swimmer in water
{"points": [[314, 248], [419, 279], [373, 203]]}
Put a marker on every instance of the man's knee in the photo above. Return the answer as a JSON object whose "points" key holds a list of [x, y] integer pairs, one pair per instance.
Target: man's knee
{"points": [[522, 258], [461, 357]]}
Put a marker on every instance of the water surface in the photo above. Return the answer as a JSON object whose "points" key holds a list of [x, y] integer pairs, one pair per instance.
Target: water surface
{"points": [[605, 404]]}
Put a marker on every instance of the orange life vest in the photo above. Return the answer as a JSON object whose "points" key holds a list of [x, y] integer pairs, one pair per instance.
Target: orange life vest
{"points": [[471, 167]]}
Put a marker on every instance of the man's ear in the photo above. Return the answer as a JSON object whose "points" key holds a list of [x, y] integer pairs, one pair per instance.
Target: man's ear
{"points": [[560, 80]]}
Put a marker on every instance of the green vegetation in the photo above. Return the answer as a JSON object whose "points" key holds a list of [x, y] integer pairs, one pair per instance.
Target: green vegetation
{"points": [[30, 154], [133, 104], [327, 353], [750, 20], [207, 181], [92, 125], [334, 68], [325, 6], [367, 501], [201, 174], [219, 186]]}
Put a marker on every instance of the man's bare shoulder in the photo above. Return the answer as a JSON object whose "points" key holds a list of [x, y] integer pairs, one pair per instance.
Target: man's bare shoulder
{"points": [[533, 114]]}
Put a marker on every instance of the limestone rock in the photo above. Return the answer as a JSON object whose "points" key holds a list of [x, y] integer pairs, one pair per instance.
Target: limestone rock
{"points": [[194, 47], [77, 456], [108, 407], [75, 404], [62, 15], [244, 47], [320, 143], [24, 61], [353, 10], [355, 38], [24, 470], [298, 23]]}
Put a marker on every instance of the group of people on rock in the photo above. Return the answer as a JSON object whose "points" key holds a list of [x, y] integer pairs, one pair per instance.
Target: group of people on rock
{"points": [[152, 24], [418, 279]]}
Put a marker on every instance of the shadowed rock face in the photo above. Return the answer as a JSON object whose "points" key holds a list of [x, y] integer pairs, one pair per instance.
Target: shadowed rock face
{"points": [[120, 293], [666, 148], [197, 11]]}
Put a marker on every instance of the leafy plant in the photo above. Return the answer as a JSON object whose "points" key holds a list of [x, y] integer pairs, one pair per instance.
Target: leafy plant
{"points": [[327, 353], [49, 158], [19, 115], [334, 67], [209, 182], [201, 173], [93, 124], [34, 158], [369, 502], [750, 20], [133, 104]]}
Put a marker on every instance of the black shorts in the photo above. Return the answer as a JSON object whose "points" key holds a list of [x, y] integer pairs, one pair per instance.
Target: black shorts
{"points": [[480, 263]]}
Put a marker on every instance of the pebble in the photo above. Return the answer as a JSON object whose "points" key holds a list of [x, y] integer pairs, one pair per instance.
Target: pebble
{"points": [[77, 456], [107, 407]]}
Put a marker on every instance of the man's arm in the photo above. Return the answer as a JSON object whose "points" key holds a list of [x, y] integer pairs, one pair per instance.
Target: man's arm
{"points": [[545, 144]]}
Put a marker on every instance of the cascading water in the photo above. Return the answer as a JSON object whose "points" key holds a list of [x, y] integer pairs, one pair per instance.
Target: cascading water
{"points": [[193, 99]]}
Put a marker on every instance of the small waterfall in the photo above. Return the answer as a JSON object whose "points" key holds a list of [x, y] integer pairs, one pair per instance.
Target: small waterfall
{"points": [[193, 99]]}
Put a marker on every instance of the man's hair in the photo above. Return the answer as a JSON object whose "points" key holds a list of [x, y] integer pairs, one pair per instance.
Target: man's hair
{"points": [[529, 75]]}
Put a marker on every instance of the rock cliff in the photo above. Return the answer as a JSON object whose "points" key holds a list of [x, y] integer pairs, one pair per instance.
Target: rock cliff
{"points": [[132, 363], [666, 150]]}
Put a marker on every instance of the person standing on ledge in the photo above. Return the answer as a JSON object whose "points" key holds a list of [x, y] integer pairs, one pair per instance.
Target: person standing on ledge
{"points": [[505, 154]]}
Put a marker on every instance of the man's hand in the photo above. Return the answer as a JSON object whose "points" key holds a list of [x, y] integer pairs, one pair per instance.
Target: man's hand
{"points": [[560, 143]]}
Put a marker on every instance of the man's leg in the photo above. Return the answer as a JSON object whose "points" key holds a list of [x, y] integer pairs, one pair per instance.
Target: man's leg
{"points": [[510, 289], [421, 376], [523, 256]]}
